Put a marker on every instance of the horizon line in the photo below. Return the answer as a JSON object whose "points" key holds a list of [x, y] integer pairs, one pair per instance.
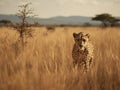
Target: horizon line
{"points": [[57, 16]]}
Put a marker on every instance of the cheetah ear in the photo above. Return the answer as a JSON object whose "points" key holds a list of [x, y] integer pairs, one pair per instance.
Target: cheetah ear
{"points": [[74, 35], [88, 35]]}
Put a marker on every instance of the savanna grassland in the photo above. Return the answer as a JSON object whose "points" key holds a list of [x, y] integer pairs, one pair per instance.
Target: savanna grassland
{"points": [[46, 61]]}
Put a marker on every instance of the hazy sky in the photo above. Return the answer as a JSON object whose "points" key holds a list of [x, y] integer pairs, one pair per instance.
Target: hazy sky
{"points": [[50, 8]]}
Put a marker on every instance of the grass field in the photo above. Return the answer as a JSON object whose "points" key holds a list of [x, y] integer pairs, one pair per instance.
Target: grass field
{"points": [[46, 62]]}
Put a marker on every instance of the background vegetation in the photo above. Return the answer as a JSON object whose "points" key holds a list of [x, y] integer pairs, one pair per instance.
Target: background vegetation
{"points": [[46, 62]]}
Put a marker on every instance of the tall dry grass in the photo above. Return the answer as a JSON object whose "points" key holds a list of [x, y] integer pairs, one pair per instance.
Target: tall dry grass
{"points": [[46, 62]]}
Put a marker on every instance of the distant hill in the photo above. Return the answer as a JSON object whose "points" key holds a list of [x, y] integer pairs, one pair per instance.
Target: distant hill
{"points": [[58, 20]]}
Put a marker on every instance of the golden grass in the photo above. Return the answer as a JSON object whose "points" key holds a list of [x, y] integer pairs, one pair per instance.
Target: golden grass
{"points": [[46, 62]]}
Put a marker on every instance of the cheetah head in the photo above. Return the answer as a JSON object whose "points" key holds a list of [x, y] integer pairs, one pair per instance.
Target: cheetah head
{"points": [[81, 39]]}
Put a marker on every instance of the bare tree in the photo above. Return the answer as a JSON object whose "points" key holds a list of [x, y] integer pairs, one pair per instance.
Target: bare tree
{"points": [[23, 27]]}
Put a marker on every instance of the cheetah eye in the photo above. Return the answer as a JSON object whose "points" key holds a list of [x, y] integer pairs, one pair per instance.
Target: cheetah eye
{"points": [[84, 40]]}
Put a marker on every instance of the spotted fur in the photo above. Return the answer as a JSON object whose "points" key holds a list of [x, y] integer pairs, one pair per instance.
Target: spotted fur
{"points": [[82, 52]]}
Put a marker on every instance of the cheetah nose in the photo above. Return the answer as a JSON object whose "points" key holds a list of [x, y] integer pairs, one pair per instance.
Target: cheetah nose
{"points": [[81, 45]]}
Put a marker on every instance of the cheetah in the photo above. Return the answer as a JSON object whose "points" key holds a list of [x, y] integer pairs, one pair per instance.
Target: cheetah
{"points": [[82, 52]]}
